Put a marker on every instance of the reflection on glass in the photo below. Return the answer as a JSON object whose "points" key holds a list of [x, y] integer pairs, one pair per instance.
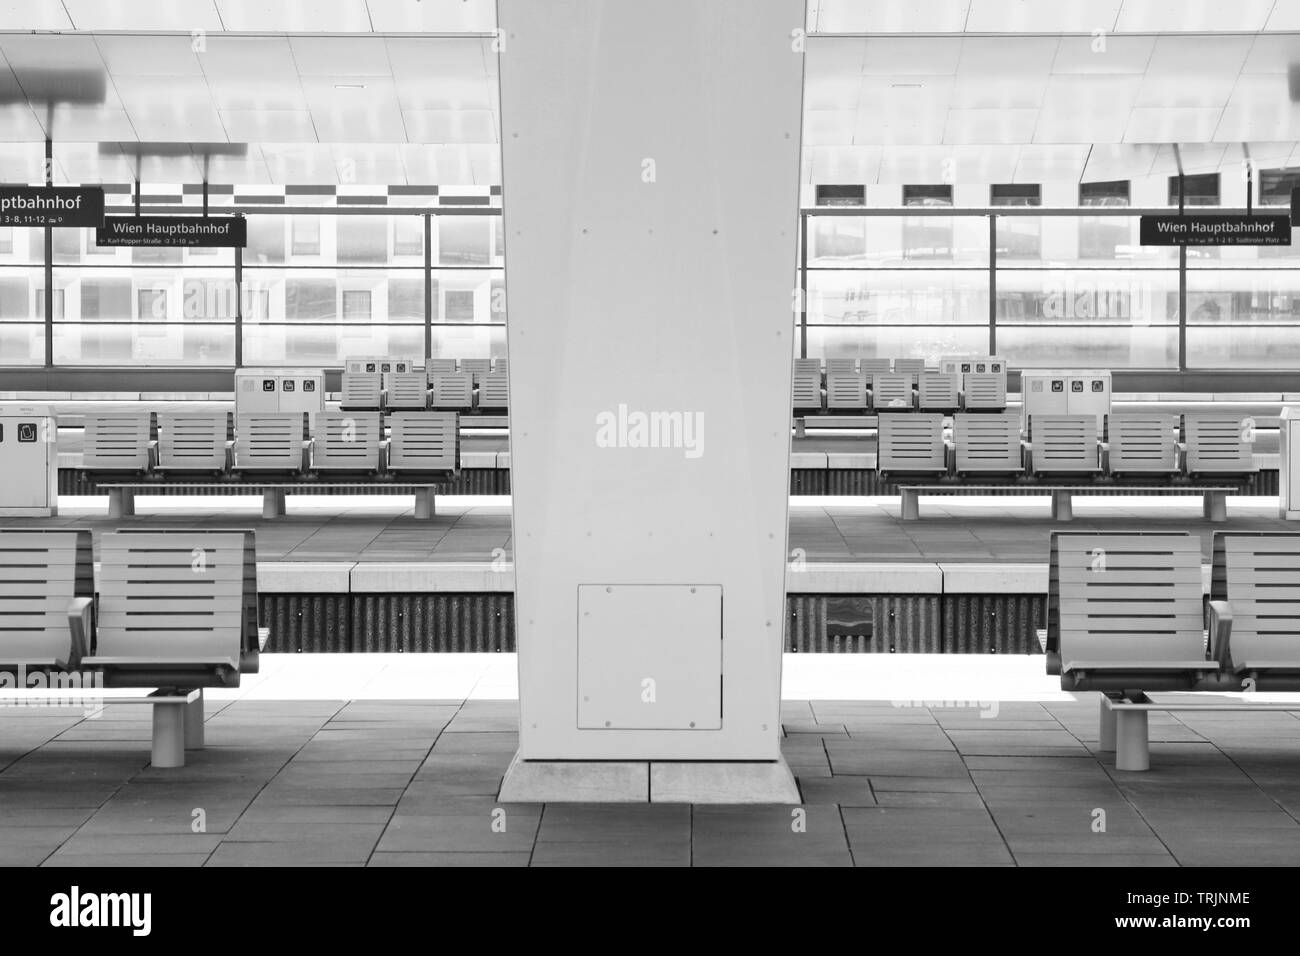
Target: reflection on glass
{"points": [[22, 344], [1105, 297], [898, 297], [463, 240], [873, 341], [362, 239]]}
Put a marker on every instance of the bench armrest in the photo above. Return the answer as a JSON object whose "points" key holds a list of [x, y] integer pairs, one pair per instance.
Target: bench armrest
{"points": [[1221, 632], [81, 623]]}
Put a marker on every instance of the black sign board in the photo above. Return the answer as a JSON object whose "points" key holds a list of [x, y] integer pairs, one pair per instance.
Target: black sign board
{"points": [[1216, 229], [1295, 206], [51, 206], [209, 232]]}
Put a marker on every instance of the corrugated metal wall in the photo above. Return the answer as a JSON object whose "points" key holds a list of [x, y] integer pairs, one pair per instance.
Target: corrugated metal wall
{"points": [[803, 481], [418, 623], [818, 623], [993, 623], [899, 623]]}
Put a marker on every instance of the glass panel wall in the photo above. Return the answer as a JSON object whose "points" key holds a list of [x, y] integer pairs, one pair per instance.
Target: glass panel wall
{"points": [[1051, 288]]}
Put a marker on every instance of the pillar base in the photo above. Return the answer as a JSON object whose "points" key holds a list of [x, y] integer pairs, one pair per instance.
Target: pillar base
{"points": [[643, 781]]}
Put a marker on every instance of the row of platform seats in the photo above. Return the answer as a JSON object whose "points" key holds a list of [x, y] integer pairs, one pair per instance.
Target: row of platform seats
{"points": [[859, 392], [984, 444], [176, 608], [292, 443], [419, 390], [1126, 616]]}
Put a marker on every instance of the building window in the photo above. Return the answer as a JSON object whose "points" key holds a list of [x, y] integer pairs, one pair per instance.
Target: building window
{"points": [[1199, 190], [1275, 186], [1102, 237], [1019, 237], [841, 195], [356, 305], [927, 237], [305, 231], [459, 305], [152, 305], [58, 304], [408, 236]]}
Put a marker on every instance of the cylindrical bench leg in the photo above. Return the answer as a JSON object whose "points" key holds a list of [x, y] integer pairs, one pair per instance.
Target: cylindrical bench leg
{"points": [[424, 506], [1217, 505], [1132, 750], [1106, 733], [115, 502], [168, 735], [910, 505], [1062, 506], [273, 503], [194, 723]]}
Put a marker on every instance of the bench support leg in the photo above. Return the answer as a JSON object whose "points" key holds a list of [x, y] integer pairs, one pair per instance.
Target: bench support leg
{"points": [[1106, 734], [910, 504], [194, 723], [800, 427], [1062, 506], [169, 735], [273, 503], [424, 506], [1216, 506], [1132, 749], [121, 503]]}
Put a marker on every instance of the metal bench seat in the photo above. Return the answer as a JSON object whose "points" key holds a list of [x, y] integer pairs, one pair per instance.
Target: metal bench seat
{"points": [[1255, 607], [1219, 444], [912, 444], [46, 599], [988, 444], [1064, 445], [1142, 444], [1122, 606], [362, 391], [193, 441], [452, 391], [271, 442], [892, 391], [346, 442]]}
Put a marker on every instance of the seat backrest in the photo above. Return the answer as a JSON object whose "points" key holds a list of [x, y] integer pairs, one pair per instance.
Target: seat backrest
{"points": [[912, 367], [846, 390], [891, 391], [808, 365], [494, 390], [408, 390], [938, 390], [439, 366], [424, 441], [1218, 443], [1125, 598], [1064, 443], [116, 441], [1258, 573], [475, 367], [911, 443], [41, 573], [807, 389], [1143, 442], [988, 441], [177, 596], [192, 441], [361, 390], [501, 365], [836, 366], [452, 390], [875, 366], [269, 441], [984, 390], [346, 441]]}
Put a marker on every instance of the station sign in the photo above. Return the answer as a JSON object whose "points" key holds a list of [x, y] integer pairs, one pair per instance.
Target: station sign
{"points": [[1216, 229], [36, 206], [206, 232]]}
